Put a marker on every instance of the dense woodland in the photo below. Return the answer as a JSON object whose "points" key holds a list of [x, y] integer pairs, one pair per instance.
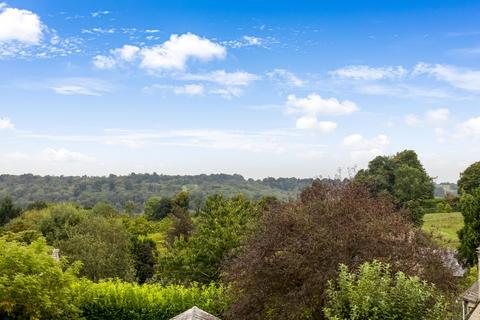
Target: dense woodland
{"points": [[137, 188], [120, 191], [340, 249]]}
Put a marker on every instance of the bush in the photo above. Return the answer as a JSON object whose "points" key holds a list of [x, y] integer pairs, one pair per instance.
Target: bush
{"points": [[375, 293], [33, 285], [121, 300]]}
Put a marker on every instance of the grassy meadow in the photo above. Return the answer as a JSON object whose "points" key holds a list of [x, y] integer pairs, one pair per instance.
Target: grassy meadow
{"points": [[444, 225]]}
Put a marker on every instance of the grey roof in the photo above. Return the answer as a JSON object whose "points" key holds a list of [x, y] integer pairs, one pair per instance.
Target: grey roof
{"points": [[195, 314], [471, 294]]}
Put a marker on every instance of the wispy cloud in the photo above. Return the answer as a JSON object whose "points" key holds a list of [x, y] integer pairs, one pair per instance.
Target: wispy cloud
{"points": [[364, 72], [80, 86], [282, 76], [466, 79]]}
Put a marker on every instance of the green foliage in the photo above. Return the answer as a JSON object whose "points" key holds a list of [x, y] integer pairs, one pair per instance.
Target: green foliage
{"points": [[120, 300], [158, 208], [401, 177], [8, 210], [102, 245], [105, 210], [376, 294], [220, 227], [137, 188], [57, 220], [470, 178], [37, 205], [144, 253], [33, 285], [469, 235]]}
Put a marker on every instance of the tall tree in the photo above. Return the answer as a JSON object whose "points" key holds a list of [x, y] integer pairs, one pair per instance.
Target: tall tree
{"points": [[8, 210], [469, 235], [403, 178], [470, 178]]}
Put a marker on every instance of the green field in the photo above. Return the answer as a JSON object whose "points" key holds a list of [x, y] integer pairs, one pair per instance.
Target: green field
{"points": [[444, 225]]}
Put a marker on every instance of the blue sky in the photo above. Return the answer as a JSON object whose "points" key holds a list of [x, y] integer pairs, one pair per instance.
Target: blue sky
{"points": [[259, 88]]}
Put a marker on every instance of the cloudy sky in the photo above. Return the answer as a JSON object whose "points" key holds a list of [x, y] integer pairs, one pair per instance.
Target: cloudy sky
{"points": [[259, 88]]}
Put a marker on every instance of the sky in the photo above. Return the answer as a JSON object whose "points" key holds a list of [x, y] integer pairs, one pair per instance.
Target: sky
{"points": [[259, 88]]}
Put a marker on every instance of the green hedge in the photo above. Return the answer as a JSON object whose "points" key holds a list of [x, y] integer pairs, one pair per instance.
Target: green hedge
{"points": [[123, 300]]}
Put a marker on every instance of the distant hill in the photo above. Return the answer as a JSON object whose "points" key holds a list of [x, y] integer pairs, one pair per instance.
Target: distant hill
{"points": [[117, 190]]}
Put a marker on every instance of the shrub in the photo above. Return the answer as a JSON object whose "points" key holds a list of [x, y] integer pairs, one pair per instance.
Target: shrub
{"points": [[33, 285], [121, 300], [375, 293]]}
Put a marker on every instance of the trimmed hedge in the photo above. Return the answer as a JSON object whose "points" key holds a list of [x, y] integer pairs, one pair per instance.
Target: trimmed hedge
{"points": [[122, 300]]}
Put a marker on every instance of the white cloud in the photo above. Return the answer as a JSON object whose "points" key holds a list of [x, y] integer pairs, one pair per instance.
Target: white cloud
{"points": [[362, 148], [126, 53], [175, 52], [364, 72], [284, 76], [412, 120], [64, 155], [314, 105], [312, 123], [19, 25], [460, 78], [238, 78], [104, 62], [6, 123], [470, 127], [189, 89]]}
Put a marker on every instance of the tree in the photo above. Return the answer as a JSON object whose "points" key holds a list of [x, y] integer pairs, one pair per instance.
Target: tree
{"points": [[182, 200], [470, 178], [33, 285], [103, 247], [144, 253], [221, 226], [182, 225], [158, 208], [104, 209], [469, 235], [8, 210], [375, 293], [403, 178], [282, 270]]}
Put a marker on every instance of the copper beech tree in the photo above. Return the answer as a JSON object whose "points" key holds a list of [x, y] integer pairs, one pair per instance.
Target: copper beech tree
{"points": [[283, 269]]}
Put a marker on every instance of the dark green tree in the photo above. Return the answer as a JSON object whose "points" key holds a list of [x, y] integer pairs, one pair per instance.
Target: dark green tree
{"points": [[469, 235], [8, 210], [470, 178], [158, 208], [144, 253], [401, 177]]}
